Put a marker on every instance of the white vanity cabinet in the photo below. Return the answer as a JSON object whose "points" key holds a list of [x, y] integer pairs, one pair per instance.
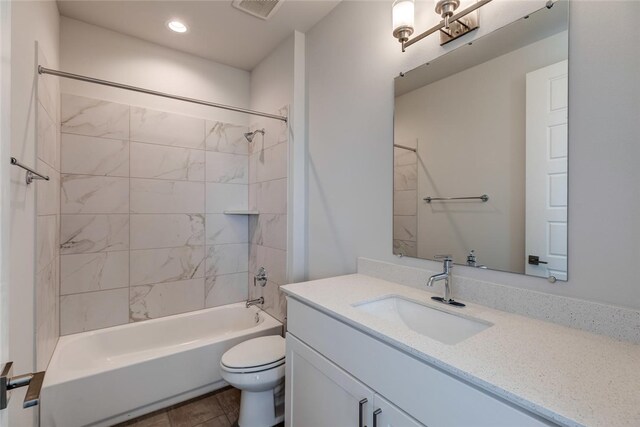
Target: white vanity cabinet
{"points": [[386, 414], [332, 367], [322, 394]]}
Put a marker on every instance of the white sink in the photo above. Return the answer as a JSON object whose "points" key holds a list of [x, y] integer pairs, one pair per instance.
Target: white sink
{"points": [[428, 321]]}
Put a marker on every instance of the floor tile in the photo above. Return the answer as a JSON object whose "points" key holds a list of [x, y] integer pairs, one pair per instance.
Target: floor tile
{"points": [[221, 421], [233, 418], [229, 400], [194, 412], [155, 419]]}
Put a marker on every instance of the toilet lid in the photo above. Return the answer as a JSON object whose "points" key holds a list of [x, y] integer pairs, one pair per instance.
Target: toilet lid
{"points": [[255, 352]]}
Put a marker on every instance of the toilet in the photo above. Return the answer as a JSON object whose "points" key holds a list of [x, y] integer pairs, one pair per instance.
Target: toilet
{"points": [[256, 367]]}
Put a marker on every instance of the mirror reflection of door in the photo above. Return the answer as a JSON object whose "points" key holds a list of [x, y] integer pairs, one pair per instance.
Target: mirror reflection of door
{"points": [[546, 165]]}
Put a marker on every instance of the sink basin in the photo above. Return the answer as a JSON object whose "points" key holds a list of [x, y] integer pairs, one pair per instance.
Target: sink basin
{"points": [[428, 321]]}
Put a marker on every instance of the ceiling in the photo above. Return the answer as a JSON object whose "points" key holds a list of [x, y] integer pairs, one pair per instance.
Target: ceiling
{"points": [[217, 31]]}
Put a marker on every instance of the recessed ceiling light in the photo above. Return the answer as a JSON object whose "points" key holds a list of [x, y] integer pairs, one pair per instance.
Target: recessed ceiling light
{"points": [[177, 26]]}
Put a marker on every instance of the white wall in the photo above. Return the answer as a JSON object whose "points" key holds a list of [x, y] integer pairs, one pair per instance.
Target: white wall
{"points": [[279, 80], [351, 61], [30, 22], [272, 79], [270, 171], [489, 160], [96, 52]]}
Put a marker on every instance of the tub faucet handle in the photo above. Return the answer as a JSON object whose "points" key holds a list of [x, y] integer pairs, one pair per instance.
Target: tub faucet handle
{"points": [[260, 278]]}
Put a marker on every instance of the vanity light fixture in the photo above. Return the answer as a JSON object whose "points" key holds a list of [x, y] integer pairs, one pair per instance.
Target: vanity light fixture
{"points": [[177, 26], [452, 26], [403, 19]]}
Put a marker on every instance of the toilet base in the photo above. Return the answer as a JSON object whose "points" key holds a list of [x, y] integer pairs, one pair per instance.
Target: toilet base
{"points": [[257, 409]]}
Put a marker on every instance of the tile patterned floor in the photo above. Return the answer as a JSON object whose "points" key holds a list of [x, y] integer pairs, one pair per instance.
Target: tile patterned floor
{"points": [[217, 409]]}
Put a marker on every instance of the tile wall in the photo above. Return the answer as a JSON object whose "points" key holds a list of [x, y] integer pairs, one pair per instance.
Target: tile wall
{"points": [[268, 168], [47, 217], [143, 234], [405, 198]]}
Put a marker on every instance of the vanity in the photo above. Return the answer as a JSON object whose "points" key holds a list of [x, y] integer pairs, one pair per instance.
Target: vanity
{"points": [[362, 351], [480, 155]]}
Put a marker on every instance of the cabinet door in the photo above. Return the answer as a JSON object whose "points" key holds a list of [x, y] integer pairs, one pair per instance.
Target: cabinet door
{"points": [[320, 394], [388, 415]]}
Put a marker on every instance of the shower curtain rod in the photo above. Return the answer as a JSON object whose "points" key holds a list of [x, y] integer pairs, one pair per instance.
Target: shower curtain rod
{"points": [[43, 70]]}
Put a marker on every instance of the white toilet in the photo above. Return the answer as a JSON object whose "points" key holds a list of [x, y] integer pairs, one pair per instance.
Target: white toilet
{"points": [[256, 367]]}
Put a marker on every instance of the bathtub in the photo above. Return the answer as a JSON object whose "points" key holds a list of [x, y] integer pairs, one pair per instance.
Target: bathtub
{"points": [[103, 377]]}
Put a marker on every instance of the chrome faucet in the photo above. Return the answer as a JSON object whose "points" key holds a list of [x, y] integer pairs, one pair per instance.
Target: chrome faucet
{"points": [[254, 302], [472, 260], [448, 279]]}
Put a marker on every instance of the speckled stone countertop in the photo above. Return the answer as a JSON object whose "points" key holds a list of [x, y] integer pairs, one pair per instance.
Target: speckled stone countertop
{"points": [[569, 376]]}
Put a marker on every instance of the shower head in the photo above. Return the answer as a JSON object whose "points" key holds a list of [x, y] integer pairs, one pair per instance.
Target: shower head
{"points": [[251, 135]]}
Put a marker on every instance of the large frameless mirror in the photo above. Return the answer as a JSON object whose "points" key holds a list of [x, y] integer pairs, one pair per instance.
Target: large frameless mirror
{"points": [[481, 153]]}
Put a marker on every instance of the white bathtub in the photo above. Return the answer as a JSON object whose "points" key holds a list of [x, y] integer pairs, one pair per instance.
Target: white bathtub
{"points": [[103, 377]]}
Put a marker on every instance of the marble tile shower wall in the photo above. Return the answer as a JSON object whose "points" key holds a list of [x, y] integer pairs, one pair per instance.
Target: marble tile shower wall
{"points": [[143, 234], [268, 168], [405, 197], [47, 218]]}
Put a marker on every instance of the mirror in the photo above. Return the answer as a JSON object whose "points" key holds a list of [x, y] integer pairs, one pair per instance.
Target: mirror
{"points": [[480, 151]]}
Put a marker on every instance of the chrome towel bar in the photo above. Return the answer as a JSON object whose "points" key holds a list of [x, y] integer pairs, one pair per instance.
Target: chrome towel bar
{"points": [[404, 147], [31, 174], [429, 199]]}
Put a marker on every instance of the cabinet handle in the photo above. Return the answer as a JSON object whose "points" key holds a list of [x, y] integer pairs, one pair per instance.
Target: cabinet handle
{"points": [[361, 412], [375, 416]]}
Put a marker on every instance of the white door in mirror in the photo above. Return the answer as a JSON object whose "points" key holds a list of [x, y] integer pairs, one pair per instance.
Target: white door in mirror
{"points": [[546, 175]]}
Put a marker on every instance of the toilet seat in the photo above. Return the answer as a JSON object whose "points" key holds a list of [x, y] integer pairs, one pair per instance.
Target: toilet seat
{"points": [[251, 369], [255, 355]]}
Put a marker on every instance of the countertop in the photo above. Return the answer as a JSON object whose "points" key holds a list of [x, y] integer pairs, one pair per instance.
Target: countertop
{"points": [[569, 376]]}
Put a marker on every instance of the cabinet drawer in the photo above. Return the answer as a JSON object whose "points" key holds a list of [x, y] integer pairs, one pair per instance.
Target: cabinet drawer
{"points": [[428, 394]]}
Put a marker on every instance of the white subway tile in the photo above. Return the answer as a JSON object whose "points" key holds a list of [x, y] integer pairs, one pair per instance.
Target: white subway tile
{"points": [[164, 128], [157, 196], [150, 231], [405, 202], [226, 138], [162, 162], [93, 310], [227, 259], [166, 265], [89, 155], [93, 117], [227, 168], [93, 233], [94, 194], [94, 272], [221, 228], [272, 196], [226, 289], [222, 197], [165, 299]]}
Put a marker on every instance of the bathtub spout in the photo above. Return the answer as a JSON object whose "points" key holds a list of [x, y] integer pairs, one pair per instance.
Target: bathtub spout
{"points": [[254, 302]]}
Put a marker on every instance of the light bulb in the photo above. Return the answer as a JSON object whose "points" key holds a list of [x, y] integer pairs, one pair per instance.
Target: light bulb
{"points": [[402, 13]]}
